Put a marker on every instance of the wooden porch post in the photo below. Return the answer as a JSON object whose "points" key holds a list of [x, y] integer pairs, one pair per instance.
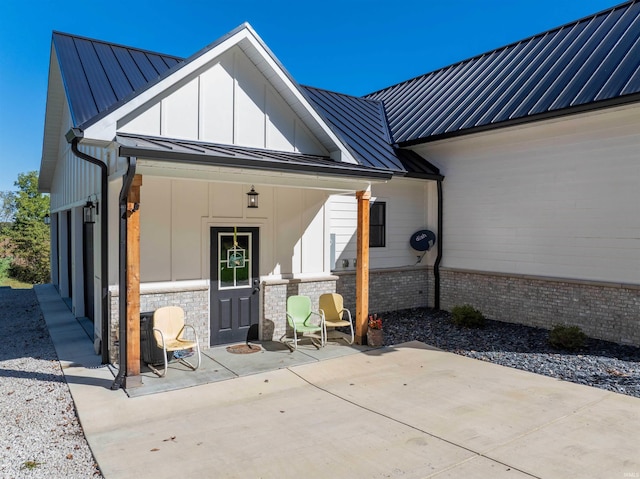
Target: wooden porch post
{"points": [[133, 378], [362, 266]]}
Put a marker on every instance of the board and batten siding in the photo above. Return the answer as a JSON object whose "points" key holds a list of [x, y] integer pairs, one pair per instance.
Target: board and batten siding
{"points": [[230, 102], [74, 179], [407, 211], [176, 216], [559, 198]]}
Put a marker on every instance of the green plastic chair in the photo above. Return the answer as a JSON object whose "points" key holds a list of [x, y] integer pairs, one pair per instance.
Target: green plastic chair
{"points": [[304, 322]]}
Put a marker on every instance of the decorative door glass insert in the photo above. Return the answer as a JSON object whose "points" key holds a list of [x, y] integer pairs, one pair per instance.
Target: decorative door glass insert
{"points": [[234, 267]]}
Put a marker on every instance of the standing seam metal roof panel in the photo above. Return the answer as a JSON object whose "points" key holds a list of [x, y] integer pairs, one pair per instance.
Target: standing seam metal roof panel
{"points": [[610, 60], [362, 127], [119, 81], [129, 68], [354, 120], [563, 85], [574, 67], [547, 74], [96, 74], [82, 104], [502, 81], [144, 64], [450, 101], [448, 96], [101, 88], [619, 80], [530, 75], [472, 99], [494, 100]]}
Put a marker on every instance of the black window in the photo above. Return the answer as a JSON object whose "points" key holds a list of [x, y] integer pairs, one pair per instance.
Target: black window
{"points": [[377, 224]]}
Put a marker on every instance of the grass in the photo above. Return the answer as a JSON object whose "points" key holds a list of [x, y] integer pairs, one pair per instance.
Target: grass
{"points": [[29, 465], [14, 283]]}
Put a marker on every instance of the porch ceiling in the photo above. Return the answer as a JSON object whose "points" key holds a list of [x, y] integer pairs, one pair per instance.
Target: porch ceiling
{"points": [[170, 157]]}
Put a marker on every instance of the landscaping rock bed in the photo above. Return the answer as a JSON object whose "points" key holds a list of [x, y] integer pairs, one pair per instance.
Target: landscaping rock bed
{"points": [[40, 435], [600, 364]]}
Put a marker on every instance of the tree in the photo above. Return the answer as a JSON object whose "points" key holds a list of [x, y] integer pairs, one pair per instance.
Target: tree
{"points": [[7, 200], [27, 238]]}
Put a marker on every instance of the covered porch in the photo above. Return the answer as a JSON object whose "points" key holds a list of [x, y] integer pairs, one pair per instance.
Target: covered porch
{"points": [[194, 197]]}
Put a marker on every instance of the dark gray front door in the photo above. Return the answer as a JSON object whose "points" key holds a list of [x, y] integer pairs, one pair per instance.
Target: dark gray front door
{"points": [[234, 283]]}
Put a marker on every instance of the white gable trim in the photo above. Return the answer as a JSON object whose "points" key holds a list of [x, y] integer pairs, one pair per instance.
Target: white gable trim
{"points": [[246, 39]]}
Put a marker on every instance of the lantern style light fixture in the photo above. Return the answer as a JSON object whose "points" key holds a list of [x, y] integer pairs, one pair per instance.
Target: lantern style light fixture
{"points": [[47, 219], [89, 212], [252, 198]]}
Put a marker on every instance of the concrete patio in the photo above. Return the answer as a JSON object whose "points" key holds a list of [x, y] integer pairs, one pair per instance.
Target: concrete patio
{"points": [[405, 411]]}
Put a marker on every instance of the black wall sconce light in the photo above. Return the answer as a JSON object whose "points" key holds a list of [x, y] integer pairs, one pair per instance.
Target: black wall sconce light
{"points": [[89, 212], [47, 219], [252, 198]]}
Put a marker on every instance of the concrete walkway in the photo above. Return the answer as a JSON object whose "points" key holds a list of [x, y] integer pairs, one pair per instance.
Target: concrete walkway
{"points": [[401, 412]]}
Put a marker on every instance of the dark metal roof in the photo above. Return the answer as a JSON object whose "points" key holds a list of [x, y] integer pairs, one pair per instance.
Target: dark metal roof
{"points": [[586, 64], [362, 126], [97, 75], [591, 63], [214, 154]]}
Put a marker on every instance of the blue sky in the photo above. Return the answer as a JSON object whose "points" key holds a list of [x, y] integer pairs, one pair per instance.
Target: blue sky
{"points": [[350, 46]]}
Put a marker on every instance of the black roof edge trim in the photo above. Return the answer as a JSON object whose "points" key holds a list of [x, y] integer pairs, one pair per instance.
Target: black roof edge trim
{"points": [[425, 176], [600, 105], [198, 159], [183, 141]]}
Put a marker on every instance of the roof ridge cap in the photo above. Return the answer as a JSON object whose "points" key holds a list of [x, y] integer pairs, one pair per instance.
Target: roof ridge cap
{"points": [[373, 100]]}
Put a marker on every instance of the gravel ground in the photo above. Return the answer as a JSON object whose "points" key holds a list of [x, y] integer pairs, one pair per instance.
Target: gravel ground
{"points": [[600, 364], [40, 435]]}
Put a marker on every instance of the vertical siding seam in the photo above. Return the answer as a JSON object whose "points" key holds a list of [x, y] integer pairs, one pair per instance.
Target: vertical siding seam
{"points": [[199, 109], [171, 235], [234, 100], [265, 117]]}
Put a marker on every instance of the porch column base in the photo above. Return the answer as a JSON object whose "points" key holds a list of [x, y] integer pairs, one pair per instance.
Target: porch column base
{"points": [[361, 340], [132, 382]]}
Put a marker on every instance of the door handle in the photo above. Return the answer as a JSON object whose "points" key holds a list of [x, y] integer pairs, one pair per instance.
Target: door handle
{"points": [[256, 286]]}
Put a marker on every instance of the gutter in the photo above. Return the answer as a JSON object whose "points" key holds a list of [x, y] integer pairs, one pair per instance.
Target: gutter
{"points": [[73, 136], [122, 277], [436, 265], [330, 169]]}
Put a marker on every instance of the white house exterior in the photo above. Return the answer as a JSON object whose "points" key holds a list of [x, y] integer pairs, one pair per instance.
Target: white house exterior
{"points": [[544, 216], [535, 213]]}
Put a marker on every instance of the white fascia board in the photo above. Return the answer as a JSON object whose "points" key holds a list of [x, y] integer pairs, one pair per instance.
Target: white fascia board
{"points": [[248, 40], [55, 103]]}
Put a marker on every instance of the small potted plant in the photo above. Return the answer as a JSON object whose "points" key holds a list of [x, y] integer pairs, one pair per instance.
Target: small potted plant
{"points": [[375, 337]]}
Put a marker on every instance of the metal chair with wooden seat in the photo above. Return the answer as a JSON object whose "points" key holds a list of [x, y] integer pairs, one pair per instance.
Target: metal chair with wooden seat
{"points": [[332, 306], [168, 330]]}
